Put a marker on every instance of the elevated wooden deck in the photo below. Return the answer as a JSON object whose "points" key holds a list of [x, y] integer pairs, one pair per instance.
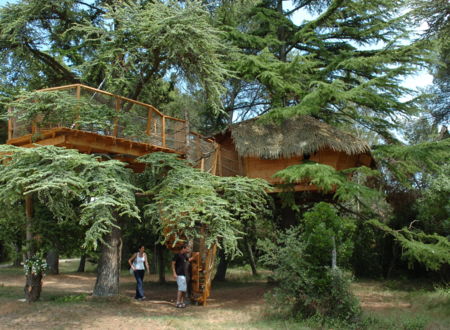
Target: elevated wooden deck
{"points": [[134, 129]]}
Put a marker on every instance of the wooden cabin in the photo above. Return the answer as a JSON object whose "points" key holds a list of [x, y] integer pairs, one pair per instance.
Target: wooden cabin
{"points": [[260, 150]]}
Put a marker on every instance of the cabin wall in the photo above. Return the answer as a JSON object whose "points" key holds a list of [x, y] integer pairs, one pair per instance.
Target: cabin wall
{"points": [[230, 164], [266, 168]]}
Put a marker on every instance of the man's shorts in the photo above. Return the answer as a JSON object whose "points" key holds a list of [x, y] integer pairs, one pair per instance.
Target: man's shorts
{"points": [[181, 281]]}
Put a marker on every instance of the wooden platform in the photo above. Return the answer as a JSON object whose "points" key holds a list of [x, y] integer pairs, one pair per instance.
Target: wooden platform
{"points": [[92, 143]]}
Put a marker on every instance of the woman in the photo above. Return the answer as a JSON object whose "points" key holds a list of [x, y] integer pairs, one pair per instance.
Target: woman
{"points": [[138, 263]]}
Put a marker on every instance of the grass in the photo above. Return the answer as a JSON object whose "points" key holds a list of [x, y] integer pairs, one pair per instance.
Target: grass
{"points": [[235, 304]]}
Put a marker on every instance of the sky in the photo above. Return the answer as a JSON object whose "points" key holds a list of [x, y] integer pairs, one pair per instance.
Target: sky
{"points": [[419, 80]]}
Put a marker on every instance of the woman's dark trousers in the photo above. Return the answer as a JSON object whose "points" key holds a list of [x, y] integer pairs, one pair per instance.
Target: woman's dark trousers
{"points": [[139, 275]]}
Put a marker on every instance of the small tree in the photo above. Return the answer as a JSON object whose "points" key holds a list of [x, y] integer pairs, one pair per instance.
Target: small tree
{"points": [[300, 260]]}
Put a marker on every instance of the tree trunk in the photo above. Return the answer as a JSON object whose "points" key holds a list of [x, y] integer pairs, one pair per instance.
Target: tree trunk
{"points": [[393, 261], [33, 287], [333, 254], [30, 250], [18, 255], [251, 258], [222, 267], [82, 264], [52, 260], [161, 268], [108, 273]]}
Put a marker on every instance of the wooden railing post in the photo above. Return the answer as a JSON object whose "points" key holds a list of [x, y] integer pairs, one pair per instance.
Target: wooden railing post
{"points": [[78, 96], [163, 131], [118, 105], [149, 122]]}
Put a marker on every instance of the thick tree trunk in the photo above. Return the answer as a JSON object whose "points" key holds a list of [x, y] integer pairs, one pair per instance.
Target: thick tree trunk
{"points": [[222, 267], [30, 250], [108, 272], [33, 287], [251, 258], [82, 264], [161, 268], [52, 260]]}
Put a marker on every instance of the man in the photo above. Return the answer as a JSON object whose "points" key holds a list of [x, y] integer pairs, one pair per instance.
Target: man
{"points": [[179, 268]]}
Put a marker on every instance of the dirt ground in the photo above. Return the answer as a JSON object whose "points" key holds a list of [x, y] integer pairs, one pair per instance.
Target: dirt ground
{"points": [[66, 303], [233, 304]]}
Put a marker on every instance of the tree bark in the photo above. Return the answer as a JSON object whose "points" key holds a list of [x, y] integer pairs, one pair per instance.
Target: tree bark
{"points": [[108, 272], [161, 268], [251, 258], [30, 251], [82, 265], [52, 260], [222, 267], [33, 287]]}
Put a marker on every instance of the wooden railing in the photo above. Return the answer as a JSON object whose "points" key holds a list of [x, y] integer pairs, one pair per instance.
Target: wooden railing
{"points": [[133, 120]]}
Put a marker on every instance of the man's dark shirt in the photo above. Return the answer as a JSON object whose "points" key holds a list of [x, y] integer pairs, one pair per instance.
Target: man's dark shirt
{"points": [[180, 263]]}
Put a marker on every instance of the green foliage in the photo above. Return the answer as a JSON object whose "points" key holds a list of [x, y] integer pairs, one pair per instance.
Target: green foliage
{"points": [[404, 162], [151, 39], [184, 199], [431, 250], [342, 64], [328, 179], [59, 108], [304, 285], [434, 205], [320, 226], [58, 177]]}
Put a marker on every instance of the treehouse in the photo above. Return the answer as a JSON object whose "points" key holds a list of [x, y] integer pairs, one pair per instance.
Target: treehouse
{"points": [[113, 127], [260, 150]]}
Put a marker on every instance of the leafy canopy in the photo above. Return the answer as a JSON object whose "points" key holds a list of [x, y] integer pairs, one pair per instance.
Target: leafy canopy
{"points": [[58, 177], [184, 199]]}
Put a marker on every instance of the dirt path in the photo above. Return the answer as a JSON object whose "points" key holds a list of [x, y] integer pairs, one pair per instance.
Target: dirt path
{"points": [[66, 303]]}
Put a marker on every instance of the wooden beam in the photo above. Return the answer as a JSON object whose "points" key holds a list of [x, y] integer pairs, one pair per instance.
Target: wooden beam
{"points": [[56, 141], [59, 88]]}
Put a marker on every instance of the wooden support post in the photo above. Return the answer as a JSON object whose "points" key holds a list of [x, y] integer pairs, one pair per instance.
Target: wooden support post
{"points": [[78, 96], [219, 161], [149, 122], [118, 105], [199, 149], [163, 131]]}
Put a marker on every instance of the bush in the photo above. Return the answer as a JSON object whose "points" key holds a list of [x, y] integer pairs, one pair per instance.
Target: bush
{"points": [[305, 286]]}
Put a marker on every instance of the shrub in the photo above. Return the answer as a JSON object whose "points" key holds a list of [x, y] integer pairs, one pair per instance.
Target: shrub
{"points": [[305, 285]]}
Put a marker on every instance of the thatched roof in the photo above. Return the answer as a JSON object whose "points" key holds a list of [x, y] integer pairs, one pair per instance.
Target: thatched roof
{"points": [[294, 137]]}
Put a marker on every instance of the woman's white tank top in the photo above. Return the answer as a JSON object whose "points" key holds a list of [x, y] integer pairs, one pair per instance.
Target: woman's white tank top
{"points": [[139, 262]]}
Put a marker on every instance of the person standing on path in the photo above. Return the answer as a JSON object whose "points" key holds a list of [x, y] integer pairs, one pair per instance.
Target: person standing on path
{"points": [[179, 267], [138, 263]]}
